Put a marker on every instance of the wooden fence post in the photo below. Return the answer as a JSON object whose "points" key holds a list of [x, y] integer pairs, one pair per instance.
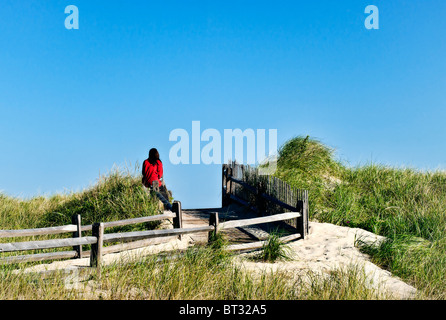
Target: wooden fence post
{"points": [[76, 220], [178, 220], [299, 207], [213, 221], [305, 214], [229, 181], [224, 191], [302, 222], [96, 248]]}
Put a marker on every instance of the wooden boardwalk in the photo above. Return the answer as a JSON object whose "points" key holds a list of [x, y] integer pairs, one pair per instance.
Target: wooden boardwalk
{"points": [[200, 217]]}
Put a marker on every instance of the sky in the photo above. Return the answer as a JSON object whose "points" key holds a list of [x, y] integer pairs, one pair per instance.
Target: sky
{"points": [[75, 103]]}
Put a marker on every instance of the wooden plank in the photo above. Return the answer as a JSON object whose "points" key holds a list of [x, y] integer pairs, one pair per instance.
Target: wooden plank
{"points": [[37, 232], [266, 219], [243, 184], [135, 244], [39, 257], [167, 215], [88, 227], [259, 244], [126, 222], [138, 235], [46, 244]]}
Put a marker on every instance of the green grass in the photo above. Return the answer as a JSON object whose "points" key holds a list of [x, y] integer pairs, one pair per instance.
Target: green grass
{"points": [[405, 205], [207, 272], [116, 196], [199, 273], [274, 249]]}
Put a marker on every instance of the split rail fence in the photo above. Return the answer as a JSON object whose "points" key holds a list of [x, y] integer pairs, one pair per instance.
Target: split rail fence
{"points": [[138, 239]]}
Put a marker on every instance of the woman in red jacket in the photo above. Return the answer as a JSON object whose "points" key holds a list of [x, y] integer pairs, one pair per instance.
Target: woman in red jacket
{"points": [[152, 169]]}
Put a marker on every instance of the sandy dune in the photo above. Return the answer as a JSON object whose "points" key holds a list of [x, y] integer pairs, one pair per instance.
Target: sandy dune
{"points": [[327, 248], [330, 247]]}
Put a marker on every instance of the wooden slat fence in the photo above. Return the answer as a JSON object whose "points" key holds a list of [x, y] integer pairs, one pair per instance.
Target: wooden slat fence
{"points": [[263, 194]]}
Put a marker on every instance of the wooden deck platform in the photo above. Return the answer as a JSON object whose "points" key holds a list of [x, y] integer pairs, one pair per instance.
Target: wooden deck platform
{"points": [[200, 217]]}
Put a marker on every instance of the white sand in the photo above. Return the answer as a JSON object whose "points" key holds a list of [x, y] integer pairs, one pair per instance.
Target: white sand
{"points": [[328, 247]]}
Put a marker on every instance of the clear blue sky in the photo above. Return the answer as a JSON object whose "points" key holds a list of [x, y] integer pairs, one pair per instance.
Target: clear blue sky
{"points": [[75, 102]]}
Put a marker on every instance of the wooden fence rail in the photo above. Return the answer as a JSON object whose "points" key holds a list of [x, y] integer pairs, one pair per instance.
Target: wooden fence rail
{"points": [[37, 232], [77, 240], [253, 221], [46, 244], [139, 235], [214, 221]]}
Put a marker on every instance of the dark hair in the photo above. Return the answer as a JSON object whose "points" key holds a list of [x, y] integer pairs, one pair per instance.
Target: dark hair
{"points": [[154, 156]]}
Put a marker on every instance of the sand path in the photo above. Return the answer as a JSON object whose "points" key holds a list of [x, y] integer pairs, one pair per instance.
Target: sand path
{"points": [[330, 247], [327, 248]]}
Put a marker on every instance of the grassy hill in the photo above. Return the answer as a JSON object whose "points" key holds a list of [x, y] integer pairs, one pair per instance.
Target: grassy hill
{"points": [[405, 205], [116, 196], [203, 272]]}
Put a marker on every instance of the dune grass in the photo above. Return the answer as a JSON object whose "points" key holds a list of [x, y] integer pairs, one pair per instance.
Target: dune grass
{"points": [[206, 272], [274, 249], [115, 196], [199, 273], [405, 205]]}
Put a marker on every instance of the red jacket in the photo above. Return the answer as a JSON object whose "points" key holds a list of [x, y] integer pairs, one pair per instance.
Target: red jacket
{"points": [[151, 172]]}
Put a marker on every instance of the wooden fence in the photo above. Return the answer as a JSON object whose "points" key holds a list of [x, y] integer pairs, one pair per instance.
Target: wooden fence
{"points": [[265, 195], [129, 240], [137, 239], [77, 240]]}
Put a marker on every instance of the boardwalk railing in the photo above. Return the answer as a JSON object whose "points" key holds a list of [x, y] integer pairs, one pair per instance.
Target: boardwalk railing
{"points": [[265, 195]]}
